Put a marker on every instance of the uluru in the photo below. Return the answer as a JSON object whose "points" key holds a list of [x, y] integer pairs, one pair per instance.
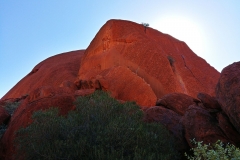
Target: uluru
{"points": [[172, 85]]}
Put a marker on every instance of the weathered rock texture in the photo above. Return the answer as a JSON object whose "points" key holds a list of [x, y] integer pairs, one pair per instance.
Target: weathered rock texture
{"points": [[165, 63], [200, 125], [53, 71], [171, 120], [228, 93]]}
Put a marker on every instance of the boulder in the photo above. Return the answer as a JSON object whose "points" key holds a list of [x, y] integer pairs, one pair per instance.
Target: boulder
{"points": [[178, 102], [209, 102], [228, 93], [171, 120], [200, 125]]}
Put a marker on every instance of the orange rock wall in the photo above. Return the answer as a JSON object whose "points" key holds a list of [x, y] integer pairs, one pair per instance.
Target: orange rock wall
{"points": [[148, 55]]}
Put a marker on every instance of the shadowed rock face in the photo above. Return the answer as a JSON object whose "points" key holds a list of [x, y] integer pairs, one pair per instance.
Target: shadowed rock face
{"points": [[53, 71], [228, 93], [165, 63], [200, 125]]}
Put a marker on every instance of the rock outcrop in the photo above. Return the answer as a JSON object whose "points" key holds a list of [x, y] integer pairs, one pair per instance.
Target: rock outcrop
{"points": [[51, 72], [165, 63], [172, 84]]}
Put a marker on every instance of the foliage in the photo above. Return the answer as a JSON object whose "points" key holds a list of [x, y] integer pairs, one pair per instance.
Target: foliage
{"points": [[145, 24], [10, 107], [99, 128], [216, 151]]}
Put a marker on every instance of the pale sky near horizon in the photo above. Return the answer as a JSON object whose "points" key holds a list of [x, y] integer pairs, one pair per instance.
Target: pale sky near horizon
{"points": [[31, 31]]}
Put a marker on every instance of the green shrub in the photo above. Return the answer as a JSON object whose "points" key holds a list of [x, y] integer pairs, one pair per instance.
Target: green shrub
{"points": [[10, 107], [216, 151], [100, 128]]}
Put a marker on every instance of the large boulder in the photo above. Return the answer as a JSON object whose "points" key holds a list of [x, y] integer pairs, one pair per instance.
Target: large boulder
{"points": [[165, 63], [171, 120], [209, 102], [178, 102], [54, 71], [200, 125], [228, 93]]}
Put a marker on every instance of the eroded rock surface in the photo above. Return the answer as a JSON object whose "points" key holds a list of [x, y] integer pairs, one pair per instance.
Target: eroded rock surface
{"points": [[53, 71], [165, 63], [200, 125]]}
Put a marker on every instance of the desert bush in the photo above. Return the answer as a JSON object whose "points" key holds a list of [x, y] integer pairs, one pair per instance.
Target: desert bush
{"points": [[99, 128], [216, 151], [10, 107]]}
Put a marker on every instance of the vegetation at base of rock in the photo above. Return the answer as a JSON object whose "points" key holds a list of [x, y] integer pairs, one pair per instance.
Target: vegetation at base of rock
{"points": [[214, 151], [99, 128], [10, 107]]}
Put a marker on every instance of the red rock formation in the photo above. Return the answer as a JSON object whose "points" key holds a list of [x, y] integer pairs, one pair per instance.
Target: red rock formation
{"points": [[53, 71], [208, 101], [165, 63], [228, 93]]}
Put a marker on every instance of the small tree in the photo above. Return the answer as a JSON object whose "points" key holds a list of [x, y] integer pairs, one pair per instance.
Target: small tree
{"points": [[145, 26]]}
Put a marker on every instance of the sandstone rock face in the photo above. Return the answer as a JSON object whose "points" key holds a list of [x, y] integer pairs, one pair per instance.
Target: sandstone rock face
{"points": [[171, 120], [200, 124], [177, 102], [39, 99], [165, 63], [228, 93], [53, 71]]}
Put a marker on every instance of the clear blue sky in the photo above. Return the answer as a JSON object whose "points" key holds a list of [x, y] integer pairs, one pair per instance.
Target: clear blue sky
{"points": [[33, 30]]}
